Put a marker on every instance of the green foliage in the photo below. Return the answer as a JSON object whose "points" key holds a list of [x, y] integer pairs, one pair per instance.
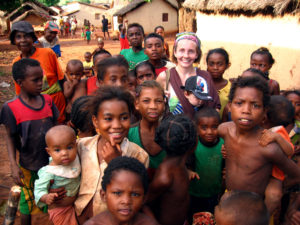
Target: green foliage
{"points": [[49, 2], [10, 6]]}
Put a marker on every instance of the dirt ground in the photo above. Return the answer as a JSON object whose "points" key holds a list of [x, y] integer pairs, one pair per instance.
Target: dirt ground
{"points": [[75, 48]]}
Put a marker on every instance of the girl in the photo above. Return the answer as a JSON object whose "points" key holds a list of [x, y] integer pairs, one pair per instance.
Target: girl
{"points": [[217, 61], [161, 31], [186, 51], [263, 60], [110, 108], [128, 177], [144, 71], [150, 103], [22, 35]]}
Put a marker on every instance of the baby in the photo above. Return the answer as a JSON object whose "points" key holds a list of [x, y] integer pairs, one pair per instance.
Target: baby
{"points": [[64, 169]]}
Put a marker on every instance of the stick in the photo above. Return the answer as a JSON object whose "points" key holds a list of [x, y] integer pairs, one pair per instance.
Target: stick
{"points": [[12, 205]]}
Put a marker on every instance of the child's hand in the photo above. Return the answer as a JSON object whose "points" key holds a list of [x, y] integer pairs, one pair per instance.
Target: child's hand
{"points": [[167, 94], [111, 150], [17, 175], [61, 192], [267, 137], [293, 213], [193, 175], [49, 198], [223, 152]]}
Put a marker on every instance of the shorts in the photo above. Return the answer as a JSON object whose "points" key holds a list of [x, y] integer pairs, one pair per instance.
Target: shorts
{"points": [[277, 173], [27, 203], [104, 29]]}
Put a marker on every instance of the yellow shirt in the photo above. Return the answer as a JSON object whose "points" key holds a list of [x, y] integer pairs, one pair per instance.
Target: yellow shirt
{"points": [[223, 95], [92, 172]]}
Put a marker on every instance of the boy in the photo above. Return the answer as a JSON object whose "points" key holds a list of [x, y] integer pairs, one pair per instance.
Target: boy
{"points": [[154, 49], [129, 177], [168, 193], [27, 118], [64, 170], [240, 207], [134, 55], [50, 39], [249, 165], [123, 38], [207, 163], [88, 64], [100, 43], [74, 87]]}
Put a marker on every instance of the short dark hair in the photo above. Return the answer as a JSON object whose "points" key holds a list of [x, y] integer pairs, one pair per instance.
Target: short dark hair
{"points": [[289, 92], [102, 66], [176, 134], [75, 62], [106, 93], [264, 51], [254, 82], [280, 111], [207, 112], [128, 164], [257, 72], [136, 25], [81, 119], [220, 51], [100, 52], [144, 63], [156, 28], [149, 84], [88, 53], [154, 35], [247, 208], [19, 69]]}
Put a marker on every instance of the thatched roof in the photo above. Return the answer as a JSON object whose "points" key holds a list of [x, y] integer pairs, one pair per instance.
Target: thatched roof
{"points": [[276, 7], [135, 4], [31, 7]]}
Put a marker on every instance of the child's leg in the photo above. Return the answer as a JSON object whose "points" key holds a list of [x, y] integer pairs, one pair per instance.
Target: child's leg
{"points": [[273, 194]]}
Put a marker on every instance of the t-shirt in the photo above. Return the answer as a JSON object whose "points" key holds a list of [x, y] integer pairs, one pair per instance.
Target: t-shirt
{"points": [[208, 165], [54, 45], [124, 42], [105, 23], [30, 125], [168, 65], [223, 95], [133, 58], [91, 85]]}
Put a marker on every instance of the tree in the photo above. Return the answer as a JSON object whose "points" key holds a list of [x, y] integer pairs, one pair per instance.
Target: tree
{"points": [[49, 2]]}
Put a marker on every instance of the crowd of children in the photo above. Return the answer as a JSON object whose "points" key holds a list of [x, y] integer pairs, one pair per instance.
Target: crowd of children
{"points": [[138, 139]]}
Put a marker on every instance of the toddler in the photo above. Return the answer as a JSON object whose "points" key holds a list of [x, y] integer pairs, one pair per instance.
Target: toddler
{"points": [[88, 64]]}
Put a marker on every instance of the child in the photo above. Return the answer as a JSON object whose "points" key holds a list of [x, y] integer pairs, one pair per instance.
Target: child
{"points": [[131, 82], [81, 119], [150, 103], [241, 207], [134, 55], [88, 34], [74, 87], [280, 114], [82, 34], [168, 192], [123, 37], [217, 61], [64, 170], [263, 60], [88, 64], [161, 31], [110, 108], [196, 92], [205, 192], [92, 83], [155, 51], [249, 165], [50, 39], [27, 118], [100, 44], [144, 71], [129, 177]]}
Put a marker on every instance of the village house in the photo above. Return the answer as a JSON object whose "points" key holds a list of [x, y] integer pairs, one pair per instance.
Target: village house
{"points": [[151, 14]]}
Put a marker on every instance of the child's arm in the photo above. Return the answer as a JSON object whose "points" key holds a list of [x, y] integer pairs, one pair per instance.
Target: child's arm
{"points": [[69, 88], [48, 199], [193, 175], [268, 137], [12, 142]]}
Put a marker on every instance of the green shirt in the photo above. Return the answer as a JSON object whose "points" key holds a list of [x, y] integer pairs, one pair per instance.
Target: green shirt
{"points": [[134, 136], [133, 58], [208, 165]]}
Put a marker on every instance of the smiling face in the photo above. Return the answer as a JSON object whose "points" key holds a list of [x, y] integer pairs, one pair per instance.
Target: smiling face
{"points": [[295, 99], [186, 53], [50, 35], [260, 62], [247, 110], [62, 147], [154, 48], [33, 82], [124, 196], [208, 129], [144, 73], [216, 65], [112, 120], [135, 36], [150, 104], [23, 41], [116, 76]]}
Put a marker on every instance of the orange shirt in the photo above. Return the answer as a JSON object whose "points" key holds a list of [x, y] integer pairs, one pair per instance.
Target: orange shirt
{"points": [[49, 64]]}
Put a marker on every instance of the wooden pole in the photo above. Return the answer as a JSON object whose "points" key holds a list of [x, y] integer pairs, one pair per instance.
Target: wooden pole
{"points": [[12, 205]]}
